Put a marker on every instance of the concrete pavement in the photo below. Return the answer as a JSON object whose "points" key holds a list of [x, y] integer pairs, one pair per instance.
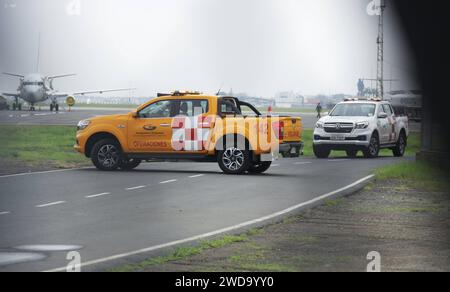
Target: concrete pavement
{"points": [[107, 214]]}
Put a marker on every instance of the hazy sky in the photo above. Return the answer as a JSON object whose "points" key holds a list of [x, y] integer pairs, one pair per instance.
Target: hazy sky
{"points": [[254, 46]]}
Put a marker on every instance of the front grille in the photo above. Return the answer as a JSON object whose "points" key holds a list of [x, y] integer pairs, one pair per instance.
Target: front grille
{"points": [[344, 128]]}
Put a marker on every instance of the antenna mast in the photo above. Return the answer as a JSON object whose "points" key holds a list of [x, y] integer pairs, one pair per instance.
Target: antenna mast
{"points": [[380, 58]]}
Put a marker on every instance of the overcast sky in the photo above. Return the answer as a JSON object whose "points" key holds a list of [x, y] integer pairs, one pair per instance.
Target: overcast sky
{"points": [[254, 46]]}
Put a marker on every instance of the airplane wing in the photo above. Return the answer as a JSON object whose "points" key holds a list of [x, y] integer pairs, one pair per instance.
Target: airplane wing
{"points": [[61, 94], [10, 94]]}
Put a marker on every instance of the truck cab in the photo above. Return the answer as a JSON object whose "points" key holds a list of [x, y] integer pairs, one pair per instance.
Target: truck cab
{"points": [[190, 126], [361, 125]]}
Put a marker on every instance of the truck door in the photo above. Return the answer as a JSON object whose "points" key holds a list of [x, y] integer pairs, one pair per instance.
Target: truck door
{"points": [[392, 123], [191, 125], [383, 125], [151, 130]]}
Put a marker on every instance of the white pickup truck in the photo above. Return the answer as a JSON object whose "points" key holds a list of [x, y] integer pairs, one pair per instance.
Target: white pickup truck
{"points": [[361, 125]]}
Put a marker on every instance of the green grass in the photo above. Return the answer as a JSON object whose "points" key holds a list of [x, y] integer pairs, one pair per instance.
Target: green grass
{"points": [[411, 150], [287, 110], [184, 252], [40, 144], [126, 106], [415, 174]]}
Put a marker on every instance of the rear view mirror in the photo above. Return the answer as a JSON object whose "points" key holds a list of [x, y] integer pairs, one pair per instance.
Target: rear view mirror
{"points": [[382, 115], [134, 114]]}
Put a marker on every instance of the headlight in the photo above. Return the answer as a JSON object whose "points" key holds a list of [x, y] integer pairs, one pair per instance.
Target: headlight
{"points": [[319, 125], [83, 125], [363, 125]]}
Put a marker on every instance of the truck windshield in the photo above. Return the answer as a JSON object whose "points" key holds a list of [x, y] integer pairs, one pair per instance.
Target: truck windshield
{"points": [[353, 110]]}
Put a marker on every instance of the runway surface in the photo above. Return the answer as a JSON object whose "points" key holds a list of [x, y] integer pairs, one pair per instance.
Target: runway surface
{"points": [[102, 214], [73, 117]]}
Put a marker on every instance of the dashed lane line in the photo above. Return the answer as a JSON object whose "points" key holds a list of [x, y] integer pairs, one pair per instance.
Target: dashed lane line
{"points": [[135, 188], [168, 181], [51, 204], [97, 195]]}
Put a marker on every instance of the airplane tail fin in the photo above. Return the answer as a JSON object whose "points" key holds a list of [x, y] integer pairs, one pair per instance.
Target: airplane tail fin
{"points": [[38, 53]]}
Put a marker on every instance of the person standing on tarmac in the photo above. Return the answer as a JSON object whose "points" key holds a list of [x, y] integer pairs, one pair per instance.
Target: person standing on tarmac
{"points": [[319, 110]]}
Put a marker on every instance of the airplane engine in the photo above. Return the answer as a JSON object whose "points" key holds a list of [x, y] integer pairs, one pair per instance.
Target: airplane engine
{"points": [[70, 101]]}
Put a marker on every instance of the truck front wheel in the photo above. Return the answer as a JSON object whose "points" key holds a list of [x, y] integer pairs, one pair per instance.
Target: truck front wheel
{"points": [[373, 149], [234, 160], [129, 164], [321, 152], [106, 155]]}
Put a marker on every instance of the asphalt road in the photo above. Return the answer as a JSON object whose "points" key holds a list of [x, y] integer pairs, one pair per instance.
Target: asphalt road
{"points": [[45, 117], [106, 214]]}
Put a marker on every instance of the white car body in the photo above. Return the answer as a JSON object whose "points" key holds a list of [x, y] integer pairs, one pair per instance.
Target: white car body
{"points": [[342, 132]]}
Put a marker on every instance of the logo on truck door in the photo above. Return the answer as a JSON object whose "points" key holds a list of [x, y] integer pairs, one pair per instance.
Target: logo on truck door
{"points": [[149, 128], [190, 133]]}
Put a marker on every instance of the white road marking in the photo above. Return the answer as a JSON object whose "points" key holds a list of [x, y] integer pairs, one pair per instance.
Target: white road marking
{"points": [[168, 181], [302, 163], [220, 231], [135, 188], [44, 172], [5, 213], [195, 176], [51, 204], [97, 195]]}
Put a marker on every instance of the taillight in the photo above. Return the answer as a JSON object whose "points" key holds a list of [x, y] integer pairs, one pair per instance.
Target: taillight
{"points": [[278, 128]]}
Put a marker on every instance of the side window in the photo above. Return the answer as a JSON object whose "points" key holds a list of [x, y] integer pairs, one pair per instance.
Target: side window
{"points": [[381, 109], [387, 109], [160, 109], [191, 108], [228, 108]]}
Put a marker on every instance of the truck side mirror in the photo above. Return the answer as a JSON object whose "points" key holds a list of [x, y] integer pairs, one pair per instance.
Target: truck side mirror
{"points": [[135, 114], [382, 115]]}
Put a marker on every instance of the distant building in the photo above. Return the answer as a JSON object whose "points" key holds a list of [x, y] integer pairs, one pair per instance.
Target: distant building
{"points": [[407, 102], [289, 100]]}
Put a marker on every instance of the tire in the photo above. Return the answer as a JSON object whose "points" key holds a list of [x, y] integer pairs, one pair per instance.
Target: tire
{"points": [[352, 153], [321, 152], [260, 167], [129, 164], [106, 155], [373, 150], [234, 160], [400, 148]]}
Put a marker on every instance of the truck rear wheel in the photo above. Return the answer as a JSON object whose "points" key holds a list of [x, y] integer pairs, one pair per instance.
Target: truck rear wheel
{"points": [[106, 155], [260, 167], [400, 148], [321, 152], [234, 160]]}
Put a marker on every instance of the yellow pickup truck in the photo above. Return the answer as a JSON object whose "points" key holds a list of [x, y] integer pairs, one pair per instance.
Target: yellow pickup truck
{"points": [[190, 126]]}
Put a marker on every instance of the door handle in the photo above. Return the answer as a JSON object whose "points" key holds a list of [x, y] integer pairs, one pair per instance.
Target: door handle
{"points": [[165, 125]]}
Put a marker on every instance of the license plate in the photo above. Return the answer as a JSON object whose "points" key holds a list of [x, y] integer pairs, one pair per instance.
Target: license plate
{"points": [[337, 138]]}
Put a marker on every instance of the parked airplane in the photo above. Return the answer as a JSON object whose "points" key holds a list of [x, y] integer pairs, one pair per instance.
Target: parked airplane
{"points": [[35, 88]]}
